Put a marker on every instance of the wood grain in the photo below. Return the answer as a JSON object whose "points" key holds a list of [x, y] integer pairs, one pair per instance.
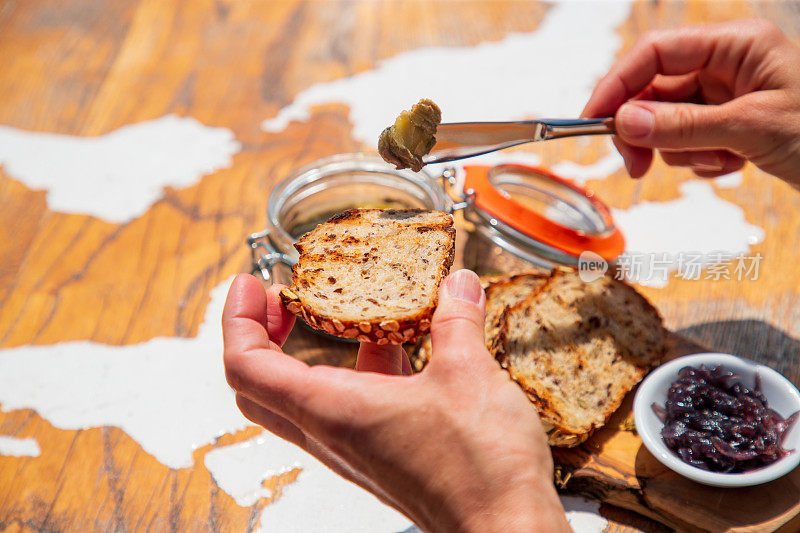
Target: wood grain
{"points": [[87, 68]]}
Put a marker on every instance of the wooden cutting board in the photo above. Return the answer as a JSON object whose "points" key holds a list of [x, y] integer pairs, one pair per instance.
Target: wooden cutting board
{"points": [[613, 466]]}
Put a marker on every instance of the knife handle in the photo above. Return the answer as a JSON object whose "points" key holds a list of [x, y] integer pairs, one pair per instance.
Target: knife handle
{"points": [[559, 128]]}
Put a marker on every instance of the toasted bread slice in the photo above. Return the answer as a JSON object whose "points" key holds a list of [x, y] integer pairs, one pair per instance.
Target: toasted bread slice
{"points": [[501, 292], [577, 348], [504, 294], [372, 274]]}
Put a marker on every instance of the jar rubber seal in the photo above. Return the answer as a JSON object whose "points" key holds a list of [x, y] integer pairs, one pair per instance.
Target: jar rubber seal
{"points": [[592, 228]]}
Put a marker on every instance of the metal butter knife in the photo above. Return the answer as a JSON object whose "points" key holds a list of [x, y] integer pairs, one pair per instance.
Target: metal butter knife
{"points": [[458, 140]]}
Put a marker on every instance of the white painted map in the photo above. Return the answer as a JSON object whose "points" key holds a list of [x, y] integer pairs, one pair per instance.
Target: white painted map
{"points": [[19, 447], [169, 393], [119, 175], [698, 225], [548, 72]]}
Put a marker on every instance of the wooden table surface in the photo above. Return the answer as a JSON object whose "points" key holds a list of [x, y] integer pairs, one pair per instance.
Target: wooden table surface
{"points": [[87, 68]]}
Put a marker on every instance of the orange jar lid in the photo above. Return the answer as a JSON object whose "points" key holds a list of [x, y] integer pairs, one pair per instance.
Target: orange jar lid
{"points": [[519, 195]]}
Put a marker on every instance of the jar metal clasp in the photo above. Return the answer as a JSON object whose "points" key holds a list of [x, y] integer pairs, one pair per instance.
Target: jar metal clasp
{"points": [[265, 256], [461, 199]]}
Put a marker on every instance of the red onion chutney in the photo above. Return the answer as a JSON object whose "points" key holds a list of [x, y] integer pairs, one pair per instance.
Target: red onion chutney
{"points": [[712, 421]]}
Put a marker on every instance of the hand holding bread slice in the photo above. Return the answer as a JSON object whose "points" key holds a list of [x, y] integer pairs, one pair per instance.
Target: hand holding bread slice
{"points": [[575, 348], [372, 274]]}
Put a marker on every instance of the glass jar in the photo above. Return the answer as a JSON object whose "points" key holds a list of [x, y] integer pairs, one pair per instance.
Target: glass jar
{"points": [[316, 192], [515, 217], [524, 218]]}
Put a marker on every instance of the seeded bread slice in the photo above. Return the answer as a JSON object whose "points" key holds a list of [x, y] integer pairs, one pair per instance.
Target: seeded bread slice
{"points": [[501, 292], [372, 274], [577, 348]]}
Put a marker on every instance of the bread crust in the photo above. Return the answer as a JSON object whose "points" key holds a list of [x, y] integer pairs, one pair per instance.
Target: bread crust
{"points": [[388, 330]]}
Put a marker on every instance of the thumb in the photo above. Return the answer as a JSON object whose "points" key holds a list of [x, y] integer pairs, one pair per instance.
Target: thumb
{"points": [[457, 325], [679, 126]]}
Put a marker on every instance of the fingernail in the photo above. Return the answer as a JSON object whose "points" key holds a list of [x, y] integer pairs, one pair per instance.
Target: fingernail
{"points": [[634, 121], [464, 285], [708, 161]]}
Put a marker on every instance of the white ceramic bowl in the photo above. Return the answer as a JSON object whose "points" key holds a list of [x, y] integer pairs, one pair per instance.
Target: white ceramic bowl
{"points": [[781, 396]]}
